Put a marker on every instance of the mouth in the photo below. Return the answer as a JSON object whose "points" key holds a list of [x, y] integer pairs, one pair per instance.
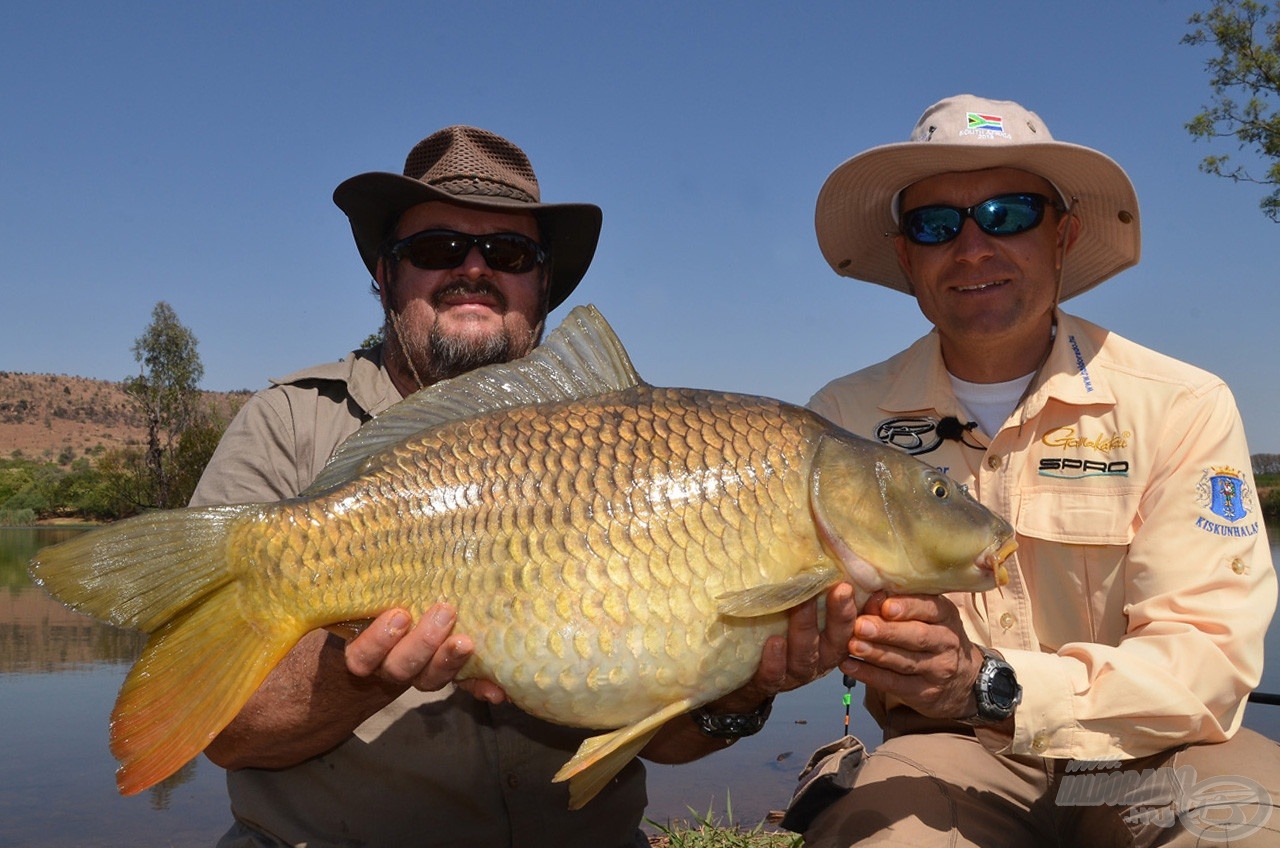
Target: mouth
{"points": [[977, 287], [993, 560], [470, 294]]}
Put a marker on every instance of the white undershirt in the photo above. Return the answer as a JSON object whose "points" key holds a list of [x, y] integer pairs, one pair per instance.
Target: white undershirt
{"points": [[990, 403]]}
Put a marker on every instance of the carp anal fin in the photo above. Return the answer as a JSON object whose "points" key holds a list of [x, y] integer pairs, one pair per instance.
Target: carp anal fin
{"points": [[778, 597], [581, 358], [600, 758]]}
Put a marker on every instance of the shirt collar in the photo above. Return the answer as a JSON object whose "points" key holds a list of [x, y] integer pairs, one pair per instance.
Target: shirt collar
{"points": [[1069, 374], [367, 380]]}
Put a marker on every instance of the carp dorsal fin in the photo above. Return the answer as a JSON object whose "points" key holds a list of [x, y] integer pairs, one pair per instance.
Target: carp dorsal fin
{"points": [[776, 597], [581, 358]]}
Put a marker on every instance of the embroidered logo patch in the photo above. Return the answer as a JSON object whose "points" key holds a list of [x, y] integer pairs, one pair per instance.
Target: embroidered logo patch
{"points": [[1224, 492], [994, 123]]}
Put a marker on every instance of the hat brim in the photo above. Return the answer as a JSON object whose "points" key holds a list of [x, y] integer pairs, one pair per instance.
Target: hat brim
{"points": [[855, 220], [373, 203]]}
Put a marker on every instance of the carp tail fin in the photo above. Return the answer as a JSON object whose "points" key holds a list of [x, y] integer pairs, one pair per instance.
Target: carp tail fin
{"points": [[195, 674], [169, 574]]}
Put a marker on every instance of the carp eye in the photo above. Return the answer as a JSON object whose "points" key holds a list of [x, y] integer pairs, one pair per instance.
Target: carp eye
{"points": [[940, 490]]}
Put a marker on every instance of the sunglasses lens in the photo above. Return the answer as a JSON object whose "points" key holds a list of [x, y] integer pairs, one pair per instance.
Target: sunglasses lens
{"points": [[436, 251], [1009, 214], [511, 253], [933, 224]]}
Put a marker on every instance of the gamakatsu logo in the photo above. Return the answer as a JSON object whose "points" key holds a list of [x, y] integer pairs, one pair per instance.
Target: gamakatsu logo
{"points": [[1222, 809]]}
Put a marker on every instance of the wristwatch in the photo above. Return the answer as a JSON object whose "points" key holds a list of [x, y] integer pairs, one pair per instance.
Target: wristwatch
{"points": [[996, 690], [733, 725]]}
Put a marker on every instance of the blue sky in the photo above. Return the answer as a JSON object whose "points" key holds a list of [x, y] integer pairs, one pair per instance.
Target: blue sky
{"points": [[187, 152]]}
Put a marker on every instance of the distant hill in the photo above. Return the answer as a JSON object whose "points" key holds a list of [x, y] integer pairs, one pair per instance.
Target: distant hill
{"points": [[55, 417]]}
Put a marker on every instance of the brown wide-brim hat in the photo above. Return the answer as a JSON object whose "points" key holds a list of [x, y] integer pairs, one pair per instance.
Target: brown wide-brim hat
{"points": [[475, 168], [857, 215]]}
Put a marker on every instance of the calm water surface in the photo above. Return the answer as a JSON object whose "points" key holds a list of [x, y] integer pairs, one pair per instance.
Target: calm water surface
{"points": [[59, 673]]}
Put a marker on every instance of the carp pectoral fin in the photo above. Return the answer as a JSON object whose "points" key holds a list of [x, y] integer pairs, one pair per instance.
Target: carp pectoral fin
{"points": [[600, 758], [348, 630], [776, 597]]}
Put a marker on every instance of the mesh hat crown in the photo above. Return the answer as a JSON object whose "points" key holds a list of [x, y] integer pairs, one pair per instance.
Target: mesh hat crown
{"points": [[478, 169], [856, 216]]}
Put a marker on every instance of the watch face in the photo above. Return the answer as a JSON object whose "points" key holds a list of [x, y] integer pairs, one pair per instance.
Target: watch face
{"points": [[1003, 688]]}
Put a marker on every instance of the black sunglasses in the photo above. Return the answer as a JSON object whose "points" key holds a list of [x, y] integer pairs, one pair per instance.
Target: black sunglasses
{"points": [[437, 250], [1002, 215]]}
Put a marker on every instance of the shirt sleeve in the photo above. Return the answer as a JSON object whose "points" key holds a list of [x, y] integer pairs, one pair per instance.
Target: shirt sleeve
{"points": [[256, 460], [1199, 591]]}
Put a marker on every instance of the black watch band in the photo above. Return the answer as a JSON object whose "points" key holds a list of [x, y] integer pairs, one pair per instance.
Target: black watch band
{"points": [[733, 725]]}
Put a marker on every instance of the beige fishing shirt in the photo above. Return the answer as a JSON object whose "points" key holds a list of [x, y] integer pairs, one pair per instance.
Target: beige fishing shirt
{"points": [[1142, 585], [433, 768]]}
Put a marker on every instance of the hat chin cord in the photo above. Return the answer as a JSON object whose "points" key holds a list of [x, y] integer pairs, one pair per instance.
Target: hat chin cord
{"points": [[1068, 214], [394, 320], [404, 350], [1057, 300]]}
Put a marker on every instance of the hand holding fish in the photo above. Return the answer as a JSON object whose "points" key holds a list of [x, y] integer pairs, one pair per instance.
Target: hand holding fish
{"points": [[811, 648], [426, 654], [914, 648]]}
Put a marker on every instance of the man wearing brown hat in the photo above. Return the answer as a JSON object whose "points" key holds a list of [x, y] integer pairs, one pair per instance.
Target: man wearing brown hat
{"points": [[369, 742], [1097, 698]]}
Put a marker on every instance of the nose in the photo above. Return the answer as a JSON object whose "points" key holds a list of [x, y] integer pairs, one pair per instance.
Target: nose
{"points": [[473, 264], [972, 244]]}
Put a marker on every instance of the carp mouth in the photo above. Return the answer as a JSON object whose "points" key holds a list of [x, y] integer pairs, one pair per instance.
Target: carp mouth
{"points": [[992, 559]]}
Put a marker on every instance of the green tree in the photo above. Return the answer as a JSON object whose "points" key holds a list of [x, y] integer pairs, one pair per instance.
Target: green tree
{"points": [[167, 393], [1245, 78]]}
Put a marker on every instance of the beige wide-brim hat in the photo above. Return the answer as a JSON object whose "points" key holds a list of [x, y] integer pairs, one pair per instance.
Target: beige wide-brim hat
{"points": [[856, 216], [475, 168]]}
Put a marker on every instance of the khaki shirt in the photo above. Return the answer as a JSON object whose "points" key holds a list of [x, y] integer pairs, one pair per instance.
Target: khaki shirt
{"points": [[1142, 586], [432, 768]]}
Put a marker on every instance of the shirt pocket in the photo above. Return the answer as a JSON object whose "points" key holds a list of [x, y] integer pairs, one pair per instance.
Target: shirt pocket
{"points": [[1072, 545], [1069, 513]]}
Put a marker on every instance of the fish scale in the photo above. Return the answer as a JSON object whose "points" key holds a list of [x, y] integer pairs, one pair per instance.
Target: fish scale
{"points": [[618, 553]]}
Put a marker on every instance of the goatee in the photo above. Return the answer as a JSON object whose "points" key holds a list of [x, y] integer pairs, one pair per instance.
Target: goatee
{"points": [[440, 356]]}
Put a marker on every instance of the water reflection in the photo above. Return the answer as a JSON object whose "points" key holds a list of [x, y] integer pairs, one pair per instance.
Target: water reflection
{"points": [[59, 673], [38, 634]]}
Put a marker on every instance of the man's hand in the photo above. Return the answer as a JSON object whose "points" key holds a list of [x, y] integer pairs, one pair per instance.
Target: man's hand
{"points": [[427, 656], [806, 653], [914, 648]]}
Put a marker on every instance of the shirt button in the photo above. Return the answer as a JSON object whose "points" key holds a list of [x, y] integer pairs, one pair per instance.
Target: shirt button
{"points": [[1237, 565], [1007, 620], [513, 781], [993, 462], [1040, 741]]}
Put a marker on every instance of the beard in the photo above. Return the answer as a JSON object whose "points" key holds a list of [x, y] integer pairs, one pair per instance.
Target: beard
{"points": [[438, 356]]}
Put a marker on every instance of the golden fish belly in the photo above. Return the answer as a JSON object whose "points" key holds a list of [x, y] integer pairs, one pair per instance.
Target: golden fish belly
{"points": [[583, 545]]}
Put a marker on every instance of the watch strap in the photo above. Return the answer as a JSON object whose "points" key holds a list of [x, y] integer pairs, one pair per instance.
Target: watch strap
{"points": [[733, 725]]}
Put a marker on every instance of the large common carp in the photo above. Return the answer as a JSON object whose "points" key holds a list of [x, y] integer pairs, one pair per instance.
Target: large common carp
{"points": [[618, 552]]}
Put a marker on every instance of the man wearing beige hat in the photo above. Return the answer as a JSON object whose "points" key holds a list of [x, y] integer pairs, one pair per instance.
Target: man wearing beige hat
{"points": [[1097, 698], [369, 742]]}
